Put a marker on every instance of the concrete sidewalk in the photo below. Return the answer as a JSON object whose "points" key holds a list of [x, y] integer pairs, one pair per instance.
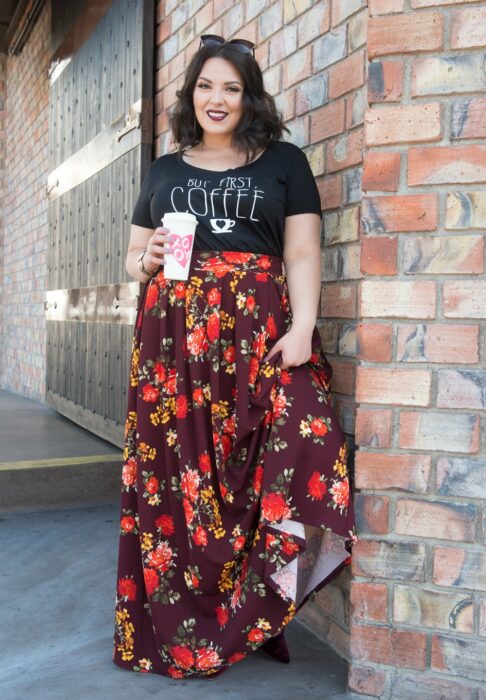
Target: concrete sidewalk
{"points": [[57, 601]]}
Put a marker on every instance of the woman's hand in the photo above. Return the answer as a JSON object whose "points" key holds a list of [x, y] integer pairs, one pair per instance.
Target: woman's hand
{"points": [[159, 244], [296, 348]]}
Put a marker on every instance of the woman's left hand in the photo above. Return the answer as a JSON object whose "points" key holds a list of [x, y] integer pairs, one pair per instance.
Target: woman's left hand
{"points": [[296, 348]]}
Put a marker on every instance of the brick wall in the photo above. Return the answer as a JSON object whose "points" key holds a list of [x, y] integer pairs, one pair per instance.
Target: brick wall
{"points": [[312, 55], [418, 618], [24, 236]]}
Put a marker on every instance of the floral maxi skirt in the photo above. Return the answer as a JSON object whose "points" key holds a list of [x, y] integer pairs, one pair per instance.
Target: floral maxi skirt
{"points": [[235, 501]]}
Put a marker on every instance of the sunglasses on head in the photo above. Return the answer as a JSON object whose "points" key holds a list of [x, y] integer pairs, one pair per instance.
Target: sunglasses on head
{"points": [[242, 45]]}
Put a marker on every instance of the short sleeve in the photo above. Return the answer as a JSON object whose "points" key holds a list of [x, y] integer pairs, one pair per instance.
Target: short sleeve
{"points": [[302, 195], [141, 215]]}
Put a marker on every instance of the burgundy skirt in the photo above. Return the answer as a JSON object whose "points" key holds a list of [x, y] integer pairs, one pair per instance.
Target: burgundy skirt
{"points": [[235, 501]]}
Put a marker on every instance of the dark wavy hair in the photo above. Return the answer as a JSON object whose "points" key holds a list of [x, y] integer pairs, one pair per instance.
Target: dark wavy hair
{"points": [[260, 123]]}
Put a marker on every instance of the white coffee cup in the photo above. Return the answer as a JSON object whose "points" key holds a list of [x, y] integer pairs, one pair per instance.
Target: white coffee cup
{"points": [[182, 226]]}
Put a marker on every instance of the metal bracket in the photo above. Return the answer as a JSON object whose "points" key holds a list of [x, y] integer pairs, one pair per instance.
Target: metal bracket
{"points": [[131, 122]]}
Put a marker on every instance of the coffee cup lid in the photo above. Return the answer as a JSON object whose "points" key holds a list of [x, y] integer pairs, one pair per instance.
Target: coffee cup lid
{"points": [[182, 215]]}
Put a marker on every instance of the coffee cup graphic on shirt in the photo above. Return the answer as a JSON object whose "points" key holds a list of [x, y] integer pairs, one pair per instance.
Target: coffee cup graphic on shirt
{"points": [[222, 225]]}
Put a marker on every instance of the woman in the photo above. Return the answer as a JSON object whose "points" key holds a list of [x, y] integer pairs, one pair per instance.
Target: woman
{"points": [[235, 501]]}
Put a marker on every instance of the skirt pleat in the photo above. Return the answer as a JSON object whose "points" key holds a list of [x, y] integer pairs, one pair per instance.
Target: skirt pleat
{"points": [[235, 503]]}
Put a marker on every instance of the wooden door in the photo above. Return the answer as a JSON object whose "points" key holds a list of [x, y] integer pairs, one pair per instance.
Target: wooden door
{"points": [[100, 136]]}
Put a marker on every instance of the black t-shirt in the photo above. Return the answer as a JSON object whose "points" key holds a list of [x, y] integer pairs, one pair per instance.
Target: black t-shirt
{"points": [[241, 208]]}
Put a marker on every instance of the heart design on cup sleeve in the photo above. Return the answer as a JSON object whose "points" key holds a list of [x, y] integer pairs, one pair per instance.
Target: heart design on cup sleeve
{"points": [[181, 248]]}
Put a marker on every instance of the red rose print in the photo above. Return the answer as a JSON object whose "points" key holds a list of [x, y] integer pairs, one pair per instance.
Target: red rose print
{"points": [[200, 537], [188, 510], [182, 656], [207, 658], [151, 296], [127, 523], [197, 341], [195, 580], [161, 557], [289, 547], [255, 635], [257, 479], [151, 579], [181, 406], [166, 524], [129, 472], [223, 490], [127, 588], [222, 613], [150, 393], [279, 405], [213, 327], [340, 492], [218, 266], [161, 279], [237, 656], [239, 543], [275, 507], [159, 372], [198, 396], [214, 296], [190, 483], [264, 262], [236, 257], [250, 303], [316, 488], [227, 445], [318, 427], [271, 327], [261, 277], [205, 463], [270, 540], [258, 345], [230, 354], [254, 366], [175, 672], [171, 383], [180, 290], [152, 484]]}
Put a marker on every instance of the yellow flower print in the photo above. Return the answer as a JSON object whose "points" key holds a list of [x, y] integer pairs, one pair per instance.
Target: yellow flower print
{"points": [[225, 582], [305, 430], [263, 624], [340, 464], [240, 300], [147, 541], [171, 437], [146, 452], [134, 367], [125, 630]]}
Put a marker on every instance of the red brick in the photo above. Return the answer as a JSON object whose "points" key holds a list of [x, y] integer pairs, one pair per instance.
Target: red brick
{"points": [[442, 164], [163, 31], [375, 470], [296, 67], [366, 680], [441, 431], [372, 514], [400, 648], [379, 255], [341, 9], [403, 124], [416, 212], [403, 387], [345, 151], [458, 657], [204, 17], [389, 299], [464, 299], [406, 33], [468, 28], [444, 75], [344, 374], [429, 3], [465, 388], [468, 119], [374, 342], [314, 23], [369, 601], [430, 608], [438, 343], [437, 519], [458, 567], [373, 427], [338, 301], [327, 121], [346, 75], [389, 559], [385, 81], [385, 7], [381, 171], [443, 255], [331, 191]]}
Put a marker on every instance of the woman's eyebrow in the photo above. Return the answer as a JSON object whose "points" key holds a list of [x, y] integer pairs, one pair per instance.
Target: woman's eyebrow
{"points": [[228, 82]]}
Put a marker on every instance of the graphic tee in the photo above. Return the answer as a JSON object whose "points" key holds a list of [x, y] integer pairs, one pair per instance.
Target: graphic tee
{"points": [[242, 208]]}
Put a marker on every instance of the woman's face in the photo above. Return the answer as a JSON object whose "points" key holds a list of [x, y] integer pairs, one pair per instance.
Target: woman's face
{"points": [[218, 96]]}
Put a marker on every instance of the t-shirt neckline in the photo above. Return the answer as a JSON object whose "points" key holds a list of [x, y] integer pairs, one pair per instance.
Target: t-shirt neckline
{"points": [[228, 170]]}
